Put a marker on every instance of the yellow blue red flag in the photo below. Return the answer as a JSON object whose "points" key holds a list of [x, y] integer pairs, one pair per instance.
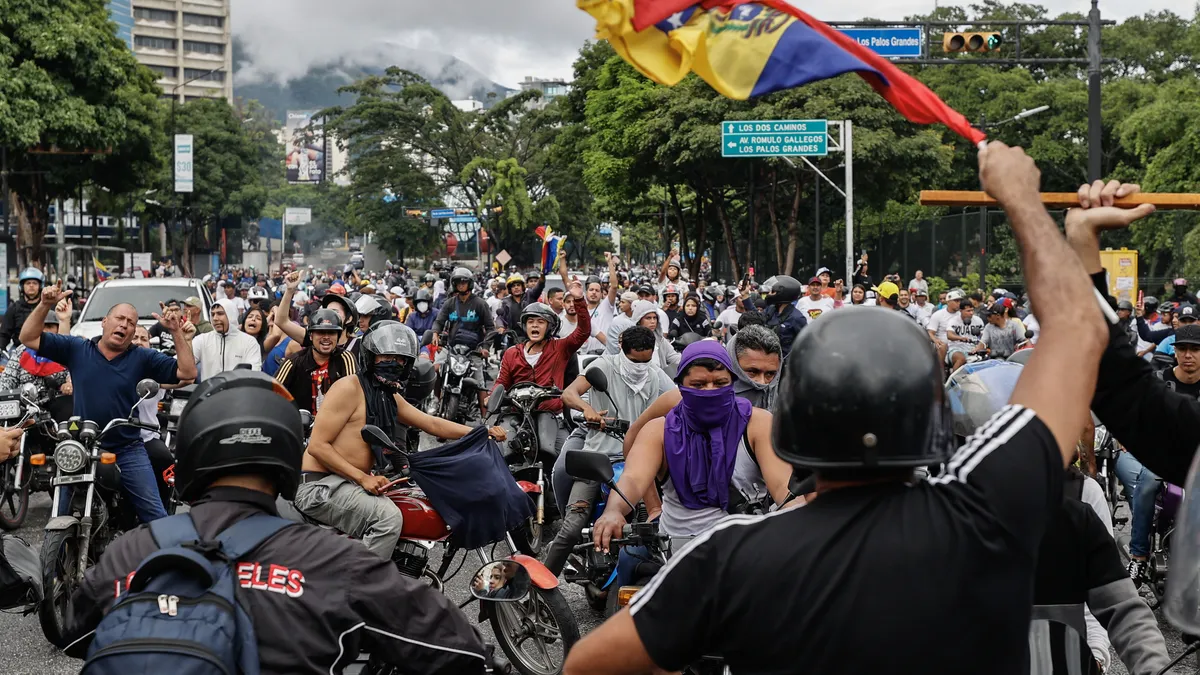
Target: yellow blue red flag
{"points": [[553, 248], [102, 273], [746, 48]]}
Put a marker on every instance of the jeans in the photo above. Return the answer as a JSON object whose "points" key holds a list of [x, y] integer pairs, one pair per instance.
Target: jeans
{"points": [[137, 480], [1142, 486], [581, 497]]}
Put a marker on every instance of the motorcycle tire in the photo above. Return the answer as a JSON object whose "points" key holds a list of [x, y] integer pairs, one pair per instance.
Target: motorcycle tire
{"points": [[60, 554], [551, 608], [14, 499], [450, 409]]}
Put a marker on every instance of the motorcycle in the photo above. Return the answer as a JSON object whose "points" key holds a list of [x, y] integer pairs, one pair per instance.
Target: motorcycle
{"points": [[96, 516], [18, 477], [1166, 508], [540, 615], [459, 389], [530, 451]]}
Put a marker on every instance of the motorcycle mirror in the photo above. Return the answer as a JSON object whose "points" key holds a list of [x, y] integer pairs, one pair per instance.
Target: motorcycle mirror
{"points": [[373, 435], [597, 379], [717, 325], [306, 418], [1028, 335], [585, 465], [29, 391], [426, 338], [147, 388], [493, 402], [501, 581]]}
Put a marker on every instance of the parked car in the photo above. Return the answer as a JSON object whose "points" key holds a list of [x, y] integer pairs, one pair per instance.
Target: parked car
{"points": [[144, 294]]}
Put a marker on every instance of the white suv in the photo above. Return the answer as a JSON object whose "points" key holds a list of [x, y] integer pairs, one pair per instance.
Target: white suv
{"points": [[144, 294]]}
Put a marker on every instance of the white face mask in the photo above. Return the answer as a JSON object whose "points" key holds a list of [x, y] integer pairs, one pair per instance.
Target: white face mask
{"points": [[422, 307], [637, 375]]}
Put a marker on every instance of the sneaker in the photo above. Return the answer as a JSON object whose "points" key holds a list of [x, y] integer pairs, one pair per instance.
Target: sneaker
{"points": [[1137, 570]]}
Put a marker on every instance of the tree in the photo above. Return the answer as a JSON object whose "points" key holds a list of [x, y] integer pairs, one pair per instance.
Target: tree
{"points": [[228, 174], [69, 86]]}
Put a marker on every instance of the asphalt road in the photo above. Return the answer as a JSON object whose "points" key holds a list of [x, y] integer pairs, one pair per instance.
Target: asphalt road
{"points": [[24, 651]]}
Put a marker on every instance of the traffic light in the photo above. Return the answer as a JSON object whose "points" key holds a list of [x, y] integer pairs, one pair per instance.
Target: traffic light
{"points": [[971, 42]]}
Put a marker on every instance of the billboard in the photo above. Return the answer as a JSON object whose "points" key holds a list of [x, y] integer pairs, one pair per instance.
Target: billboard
{"points": [[304, 140]]}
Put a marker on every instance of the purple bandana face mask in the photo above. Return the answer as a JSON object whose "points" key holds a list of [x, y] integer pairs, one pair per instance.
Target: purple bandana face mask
{"points": [[707, 408]]}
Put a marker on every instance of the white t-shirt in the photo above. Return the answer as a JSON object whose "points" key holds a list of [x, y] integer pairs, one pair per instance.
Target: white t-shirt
{"points": [[1031, 323], [974, 331], [814, 308], [921, 314], [919, 284], [939, 321], [494, 304], [602, 318], [729, 318]]}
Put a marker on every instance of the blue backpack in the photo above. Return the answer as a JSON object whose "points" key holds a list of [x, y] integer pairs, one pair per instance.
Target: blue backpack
{"points": [[179, 614]]}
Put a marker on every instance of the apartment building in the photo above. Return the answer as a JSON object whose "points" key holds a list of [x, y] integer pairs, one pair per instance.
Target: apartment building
{"points": [[188, 43]]}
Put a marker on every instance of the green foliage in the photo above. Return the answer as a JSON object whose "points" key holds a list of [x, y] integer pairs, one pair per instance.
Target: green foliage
{"points": [[970, 283], [68, 83], [936, 285]]}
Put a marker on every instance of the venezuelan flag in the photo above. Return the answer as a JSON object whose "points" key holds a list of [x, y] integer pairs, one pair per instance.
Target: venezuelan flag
{"points": [[102, 273], [748, 48], [553, 247]]}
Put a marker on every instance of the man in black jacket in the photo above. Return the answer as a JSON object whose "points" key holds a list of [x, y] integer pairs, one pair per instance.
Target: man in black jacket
{"points": [[1161, 427], [31, 281], [312, 595]]}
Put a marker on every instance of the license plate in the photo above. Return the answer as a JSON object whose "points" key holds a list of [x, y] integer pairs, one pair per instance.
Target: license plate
{"points": [[68, 480]]}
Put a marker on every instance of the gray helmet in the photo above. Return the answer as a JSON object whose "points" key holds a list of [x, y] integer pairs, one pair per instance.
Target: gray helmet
{"points": [[462, 274], [542, 311], [1126, 305], [389, 338]]}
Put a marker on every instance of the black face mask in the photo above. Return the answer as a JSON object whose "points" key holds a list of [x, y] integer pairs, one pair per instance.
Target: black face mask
{"points": [[390, 374]]}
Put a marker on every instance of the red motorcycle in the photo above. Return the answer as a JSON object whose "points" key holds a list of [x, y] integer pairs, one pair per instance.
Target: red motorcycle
{"points": [[535, 629]]}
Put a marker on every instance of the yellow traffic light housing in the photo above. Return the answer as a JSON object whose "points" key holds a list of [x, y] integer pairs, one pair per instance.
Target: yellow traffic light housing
{"points": [[971, 42]]}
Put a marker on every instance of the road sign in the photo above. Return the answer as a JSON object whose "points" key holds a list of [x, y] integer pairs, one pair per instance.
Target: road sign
{"points": [[464, 219], [774, 138], [503, 257], [184, 154], [441, 213], [892, 43], [297, 216]]}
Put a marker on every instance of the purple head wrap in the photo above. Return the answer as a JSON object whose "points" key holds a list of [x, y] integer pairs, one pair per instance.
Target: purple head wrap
{"points": [[701, 434]]}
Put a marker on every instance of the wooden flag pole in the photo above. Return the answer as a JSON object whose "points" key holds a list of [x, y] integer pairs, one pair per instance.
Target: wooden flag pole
{"points": [[1063, 200]]}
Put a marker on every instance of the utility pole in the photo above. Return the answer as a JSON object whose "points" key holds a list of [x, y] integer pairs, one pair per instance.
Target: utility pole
{"points": [[1095, 130]]}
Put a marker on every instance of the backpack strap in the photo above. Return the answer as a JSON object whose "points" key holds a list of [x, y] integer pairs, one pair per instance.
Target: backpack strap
{"points": [[245, 535], [174, 530]]}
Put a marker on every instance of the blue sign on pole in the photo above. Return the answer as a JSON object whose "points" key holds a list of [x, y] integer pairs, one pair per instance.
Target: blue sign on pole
{"points": [[441, 213], [775, 138], [464, 219], [892, 43]]}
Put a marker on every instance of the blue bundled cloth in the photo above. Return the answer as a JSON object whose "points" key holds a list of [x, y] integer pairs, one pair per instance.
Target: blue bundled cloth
{"points": [[472, 489]]}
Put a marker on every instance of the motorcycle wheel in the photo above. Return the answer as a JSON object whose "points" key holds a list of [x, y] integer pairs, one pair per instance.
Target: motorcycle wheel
{"points": [[450, 411], [60, 557], [536, 633], [14, 499]]}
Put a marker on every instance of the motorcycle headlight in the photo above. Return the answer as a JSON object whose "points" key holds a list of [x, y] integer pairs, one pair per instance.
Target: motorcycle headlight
{"points": [[460, 367], [177, 406], [70, 456]]}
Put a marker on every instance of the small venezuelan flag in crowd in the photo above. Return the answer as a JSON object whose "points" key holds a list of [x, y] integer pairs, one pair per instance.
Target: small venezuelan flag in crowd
{"points": [[553, 247], [744, 49], [102, 273]]}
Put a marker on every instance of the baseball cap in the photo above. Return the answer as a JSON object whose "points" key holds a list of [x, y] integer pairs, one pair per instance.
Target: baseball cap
{"points": [[193, 301], [824, 270], [1188, 335], [920, 292], [814, 280], [1187, 313], [887, 290], [629, 296], [955, 294]]}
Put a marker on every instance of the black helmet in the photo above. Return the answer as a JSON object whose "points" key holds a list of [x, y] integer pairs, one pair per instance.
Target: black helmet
{"points": [[389, 338], [462, 274], [1150, 303], [423, 295], [248, 433], [542, 311], [347, 307], [785, 289], [885, 411], [324, 320], [430, 278], [51, 319]]}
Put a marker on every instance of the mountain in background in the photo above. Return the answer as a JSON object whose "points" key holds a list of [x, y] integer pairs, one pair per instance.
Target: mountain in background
{"points": [[318, 87]]}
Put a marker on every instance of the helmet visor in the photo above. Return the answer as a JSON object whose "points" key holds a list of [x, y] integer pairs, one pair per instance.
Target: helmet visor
{"points": [[1182, 604], [977, 391], [391, 340]]}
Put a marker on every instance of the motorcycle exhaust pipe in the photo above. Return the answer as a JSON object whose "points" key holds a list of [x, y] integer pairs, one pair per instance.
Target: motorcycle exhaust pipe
{"points": [[21, 461]]}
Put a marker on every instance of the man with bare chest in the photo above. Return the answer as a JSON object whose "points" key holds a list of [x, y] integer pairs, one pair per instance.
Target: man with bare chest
{"points": [[341, 484]]}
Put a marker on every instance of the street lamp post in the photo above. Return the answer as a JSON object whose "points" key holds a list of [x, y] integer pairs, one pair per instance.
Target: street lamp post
{"points": [[984, 125], [174, 105]]}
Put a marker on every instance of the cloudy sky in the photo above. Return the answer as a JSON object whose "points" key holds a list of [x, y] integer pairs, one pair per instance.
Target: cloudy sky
{"points": [[506, 39]]}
